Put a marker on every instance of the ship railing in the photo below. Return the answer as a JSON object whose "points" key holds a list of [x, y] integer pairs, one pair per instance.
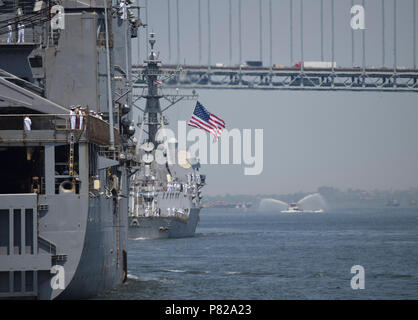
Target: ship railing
{"points": [[55, 127], [39, 121], [106, 152], [177, 215]]}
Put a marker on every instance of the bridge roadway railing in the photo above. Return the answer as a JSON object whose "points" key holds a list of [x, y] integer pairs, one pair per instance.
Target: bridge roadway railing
{"points": [[264, 78]]}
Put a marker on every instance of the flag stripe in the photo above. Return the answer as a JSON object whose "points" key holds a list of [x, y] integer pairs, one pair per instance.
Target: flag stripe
{"points": [[214, 124], [200, 127], [218, 118], [213, 131], [218, 129], [220, 121], [202, 124]]}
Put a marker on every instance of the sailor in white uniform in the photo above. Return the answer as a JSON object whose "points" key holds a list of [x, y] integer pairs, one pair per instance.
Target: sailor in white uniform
{"points": [[72, 118], [27, 123], [123, 10], [81, 117], [9, 38], [21, 33]]}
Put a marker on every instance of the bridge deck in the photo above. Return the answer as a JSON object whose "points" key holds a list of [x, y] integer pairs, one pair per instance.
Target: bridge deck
{"points": [[236, 77]]}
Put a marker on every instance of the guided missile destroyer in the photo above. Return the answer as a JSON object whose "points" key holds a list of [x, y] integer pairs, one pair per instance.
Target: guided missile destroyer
{"points": [[65, 174], [165, 198]]}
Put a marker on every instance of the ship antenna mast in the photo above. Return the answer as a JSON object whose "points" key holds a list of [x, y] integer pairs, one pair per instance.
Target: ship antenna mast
{"points": [[153, 117]]}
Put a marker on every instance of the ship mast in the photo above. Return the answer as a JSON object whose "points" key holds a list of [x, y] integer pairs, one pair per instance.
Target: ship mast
{"points": [[152, 108], [153, 114]]}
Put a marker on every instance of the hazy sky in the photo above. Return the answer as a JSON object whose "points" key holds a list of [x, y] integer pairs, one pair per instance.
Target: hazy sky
{"points": [[341, 139]]}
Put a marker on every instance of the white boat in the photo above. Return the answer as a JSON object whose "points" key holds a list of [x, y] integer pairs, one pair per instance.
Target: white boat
{"points": [[293, 208]]}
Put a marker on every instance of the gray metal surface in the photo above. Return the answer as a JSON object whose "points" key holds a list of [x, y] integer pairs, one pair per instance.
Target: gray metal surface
{"points": [[68, 203], [162, 228]]}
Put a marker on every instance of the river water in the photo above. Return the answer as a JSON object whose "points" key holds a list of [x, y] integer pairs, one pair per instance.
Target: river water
{"points": [[272, 255]]}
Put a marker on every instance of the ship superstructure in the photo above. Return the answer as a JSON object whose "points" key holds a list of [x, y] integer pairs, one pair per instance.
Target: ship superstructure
{"points": [[166, 191], [66, 149]]}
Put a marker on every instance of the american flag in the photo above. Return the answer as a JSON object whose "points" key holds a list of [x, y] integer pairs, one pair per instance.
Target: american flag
{"points": [[207, 121]]}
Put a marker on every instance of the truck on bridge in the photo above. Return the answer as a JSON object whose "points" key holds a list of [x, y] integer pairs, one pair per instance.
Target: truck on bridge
{"points": [[316, 65]]}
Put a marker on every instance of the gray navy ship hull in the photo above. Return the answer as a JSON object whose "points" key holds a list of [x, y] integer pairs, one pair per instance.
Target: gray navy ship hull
{"points": [[103, 260], [162, 228], [64, 200], [84, 236]]}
